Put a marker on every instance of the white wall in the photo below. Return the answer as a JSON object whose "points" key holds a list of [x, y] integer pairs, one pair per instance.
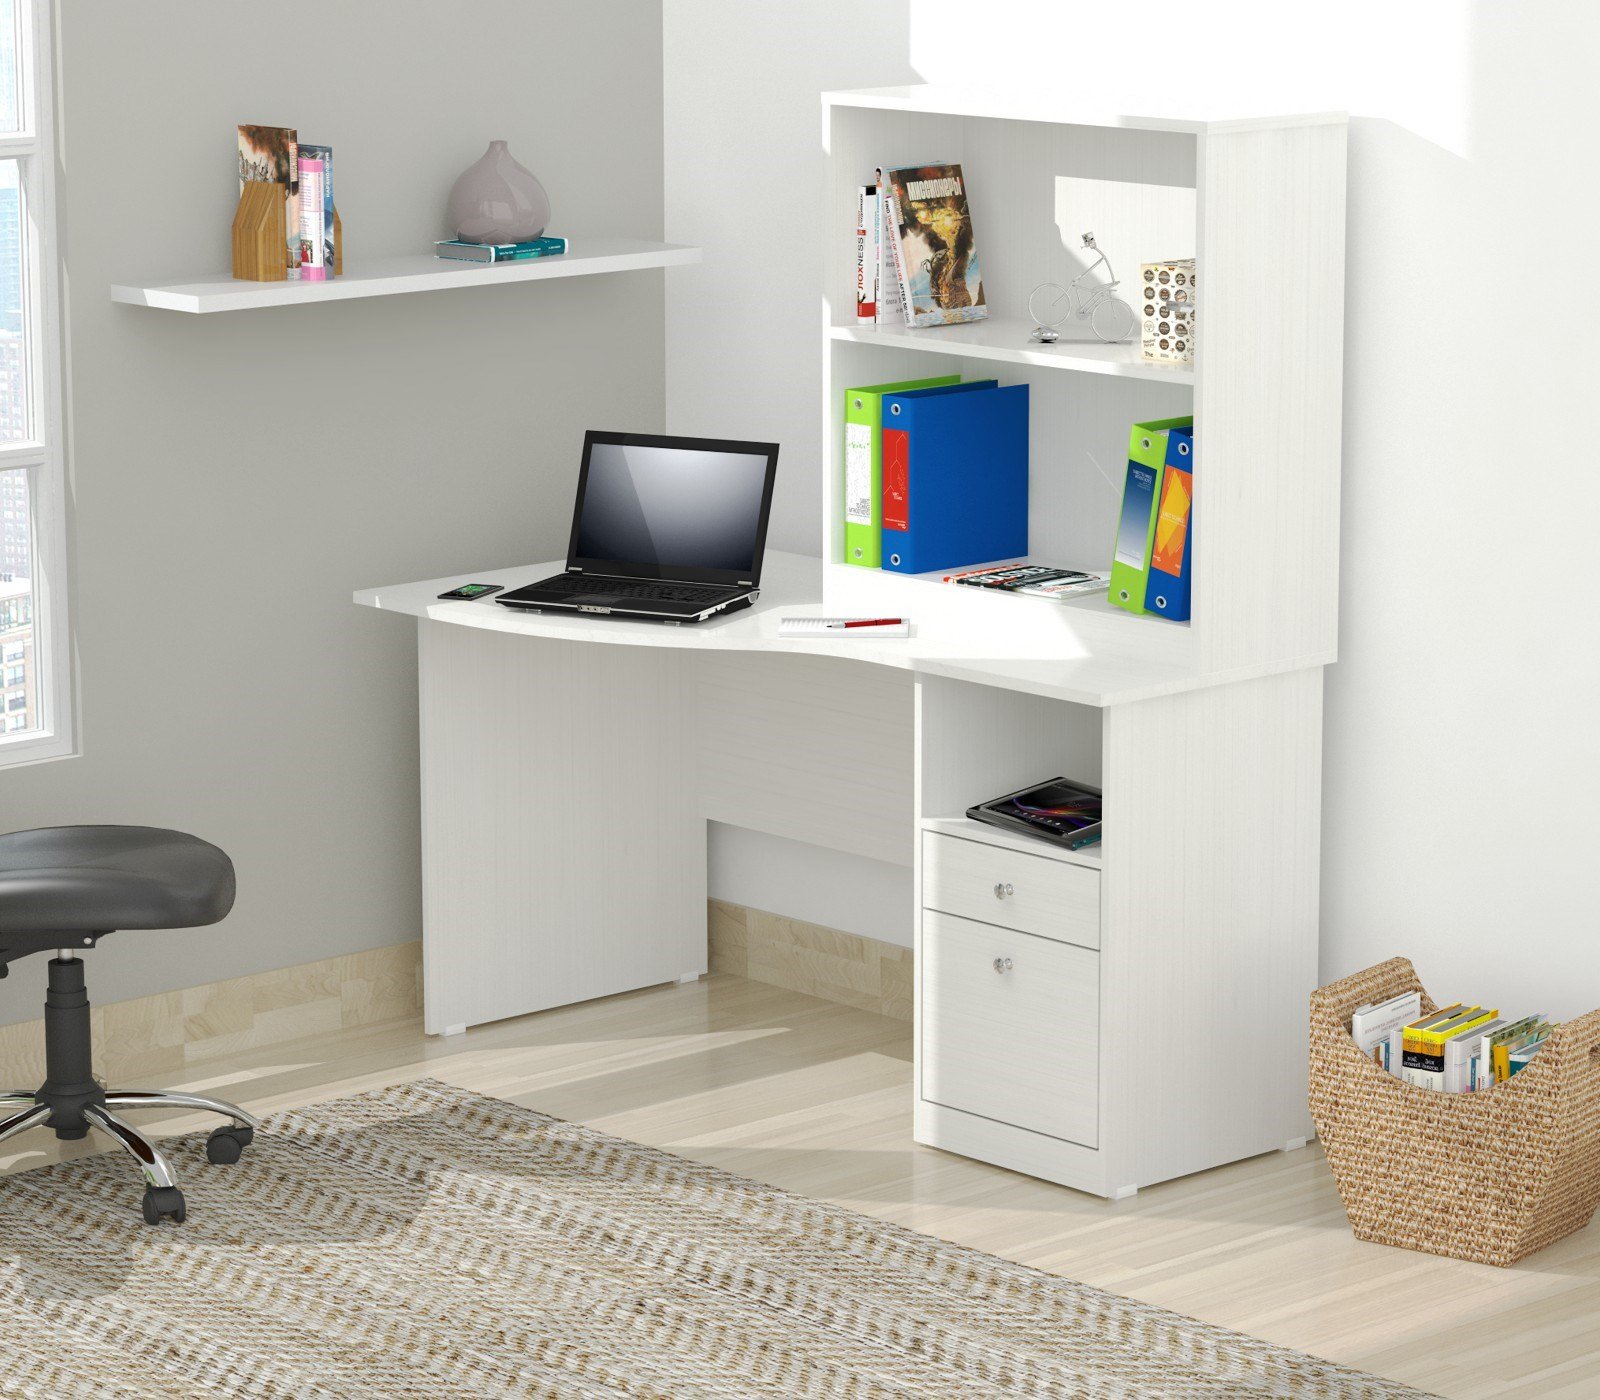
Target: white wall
{"points": [[237, 476], [1462, 788], [743, 125]]}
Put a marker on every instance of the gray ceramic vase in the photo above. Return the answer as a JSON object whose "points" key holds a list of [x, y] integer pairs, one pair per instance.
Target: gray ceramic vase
{"points": [[497, 200]]}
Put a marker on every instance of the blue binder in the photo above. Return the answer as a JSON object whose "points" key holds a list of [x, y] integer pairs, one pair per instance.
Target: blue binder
{"points": [[1166, 590], [955, 476]]}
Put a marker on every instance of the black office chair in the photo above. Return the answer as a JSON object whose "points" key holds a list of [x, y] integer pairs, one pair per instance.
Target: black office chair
{"points": [[67, 887]]}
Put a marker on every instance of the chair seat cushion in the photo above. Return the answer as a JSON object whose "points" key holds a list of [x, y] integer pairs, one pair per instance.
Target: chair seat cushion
{"points": [[73, 879]]}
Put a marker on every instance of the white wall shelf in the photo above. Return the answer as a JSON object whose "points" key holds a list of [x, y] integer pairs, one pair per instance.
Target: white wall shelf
{"points": [[1005, 339], [421, 272]]}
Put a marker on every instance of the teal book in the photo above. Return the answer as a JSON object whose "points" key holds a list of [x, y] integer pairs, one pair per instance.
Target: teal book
{"points": [[462, 251]]}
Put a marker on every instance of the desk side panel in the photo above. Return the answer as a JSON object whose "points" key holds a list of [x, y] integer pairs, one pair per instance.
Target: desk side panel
{"points": [[563, 858], [1269, 394], [1210, 923]]}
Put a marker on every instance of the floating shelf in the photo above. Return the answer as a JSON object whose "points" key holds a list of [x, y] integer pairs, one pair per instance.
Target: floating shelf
{"points": [[421, 272], [1005, 339]]}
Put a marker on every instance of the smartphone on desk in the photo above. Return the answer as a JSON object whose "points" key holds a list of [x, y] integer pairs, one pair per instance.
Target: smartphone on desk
{"points": [[470, 592]]}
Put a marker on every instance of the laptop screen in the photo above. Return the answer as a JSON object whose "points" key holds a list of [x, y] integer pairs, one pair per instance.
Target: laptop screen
{"points": [[676, 508]]}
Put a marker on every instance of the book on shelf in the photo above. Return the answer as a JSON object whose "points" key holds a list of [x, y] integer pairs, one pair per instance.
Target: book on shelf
{"points": [[460, 250], [270, 154], [316, 210], [891, 302], [867, 234], [315, 253], [936, 255]]}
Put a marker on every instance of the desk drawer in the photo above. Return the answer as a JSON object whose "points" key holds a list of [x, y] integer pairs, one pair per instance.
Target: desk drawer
{"points": [[1011, 1027], [1036, 894]]}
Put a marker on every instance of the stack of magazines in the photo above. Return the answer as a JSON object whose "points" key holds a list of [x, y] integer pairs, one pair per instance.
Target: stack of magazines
{"points": [[1038, 580]]}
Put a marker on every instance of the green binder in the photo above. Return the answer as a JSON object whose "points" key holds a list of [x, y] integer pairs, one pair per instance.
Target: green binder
{"points": [[1136, 525], [863, 467]]}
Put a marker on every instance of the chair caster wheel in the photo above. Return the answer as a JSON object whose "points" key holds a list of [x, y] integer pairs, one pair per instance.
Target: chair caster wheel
{"points": [[226, 1145], [163, 1201]]}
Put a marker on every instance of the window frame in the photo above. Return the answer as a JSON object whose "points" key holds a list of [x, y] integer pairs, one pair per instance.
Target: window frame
{"points": [[43, 455]]}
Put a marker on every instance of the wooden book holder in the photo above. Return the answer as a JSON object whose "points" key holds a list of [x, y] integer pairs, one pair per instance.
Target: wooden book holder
{"points": [[259, 238]]}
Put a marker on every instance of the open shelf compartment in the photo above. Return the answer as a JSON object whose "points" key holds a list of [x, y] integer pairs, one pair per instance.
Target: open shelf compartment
{"points": [[1264, 390], [1034, 188]]}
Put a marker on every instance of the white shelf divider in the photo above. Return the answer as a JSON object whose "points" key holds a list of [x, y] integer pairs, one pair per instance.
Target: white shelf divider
{"points": [[421, 272], [1005, 339]]}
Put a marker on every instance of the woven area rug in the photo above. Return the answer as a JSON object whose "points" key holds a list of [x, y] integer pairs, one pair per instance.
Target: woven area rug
{"points": [[424, 1241]]}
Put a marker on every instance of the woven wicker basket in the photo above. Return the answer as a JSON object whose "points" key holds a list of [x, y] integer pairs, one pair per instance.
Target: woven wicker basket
{"points": [[1490, 1176]]}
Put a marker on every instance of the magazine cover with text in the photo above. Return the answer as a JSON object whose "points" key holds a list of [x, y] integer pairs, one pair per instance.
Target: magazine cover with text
{"points": [[939, 260]]}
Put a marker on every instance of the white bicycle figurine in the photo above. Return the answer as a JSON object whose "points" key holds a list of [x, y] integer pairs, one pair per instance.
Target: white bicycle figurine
{"points": [[1111, 318]]}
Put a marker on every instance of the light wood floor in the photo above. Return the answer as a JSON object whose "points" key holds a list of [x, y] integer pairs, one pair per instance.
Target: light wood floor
{"points": [[816, 1098]]}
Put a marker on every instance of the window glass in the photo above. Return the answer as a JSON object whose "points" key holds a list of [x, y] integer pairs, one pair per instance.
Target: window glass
{"points": [[13, 341], [16, 603], [9, 105]]}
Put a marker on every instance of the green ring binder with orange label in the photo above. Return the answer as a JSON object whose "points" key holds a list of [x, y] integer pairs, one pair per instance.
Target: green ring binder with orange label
{"points": [[1136, 523], [863, 466]]}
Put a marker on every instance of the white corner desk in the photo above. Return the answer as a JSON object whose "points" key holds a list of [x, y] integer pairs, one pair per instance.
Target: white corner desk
{"points": [[1104, 1019]]}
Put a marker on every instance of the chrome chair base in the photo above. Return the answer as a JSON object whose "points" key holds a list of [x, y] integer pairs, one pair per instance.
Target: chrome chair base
{"points": [[162, 1198]]}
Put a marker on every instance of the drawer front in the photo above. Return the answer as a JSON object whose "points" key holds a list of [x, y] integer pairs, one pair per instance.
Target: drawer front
{"points": [[1035, 894], [1021, 1043]]}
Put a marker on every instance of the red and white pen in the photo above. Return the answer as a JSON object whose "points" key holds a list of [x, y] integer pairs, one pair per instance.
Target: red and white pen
{"points": [[868, 622]]}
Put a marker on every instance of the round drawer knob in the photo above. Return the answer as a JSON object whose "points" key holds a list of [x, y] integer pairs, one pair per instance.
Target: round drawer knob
{"points": [[1002, 890], [1002, 964]]}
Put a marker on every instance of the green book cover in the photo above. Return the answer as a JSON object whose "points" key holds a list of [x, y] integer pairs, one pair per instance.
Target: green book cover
{"points": [[863, 466], [1136, 525]]}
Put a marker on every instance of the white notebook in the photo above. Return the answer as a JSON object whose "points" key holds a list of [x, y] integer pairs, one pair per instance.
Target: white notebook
{"points": [[836, 627]]}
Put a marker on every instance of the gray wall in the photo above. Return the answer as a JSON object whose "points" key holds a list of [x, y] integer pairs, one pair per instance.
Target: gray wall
{"points": [[236, 476]]}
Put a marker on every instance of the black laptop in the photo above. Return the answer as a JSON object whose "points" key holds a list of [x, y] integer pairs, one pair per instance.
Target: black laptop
{"points": [[669, 529]]}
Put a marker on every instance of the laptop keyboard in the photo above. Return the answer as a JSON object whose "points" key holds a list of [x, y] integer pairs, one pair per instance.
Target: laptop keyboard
{"points": [[643, 590]]}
